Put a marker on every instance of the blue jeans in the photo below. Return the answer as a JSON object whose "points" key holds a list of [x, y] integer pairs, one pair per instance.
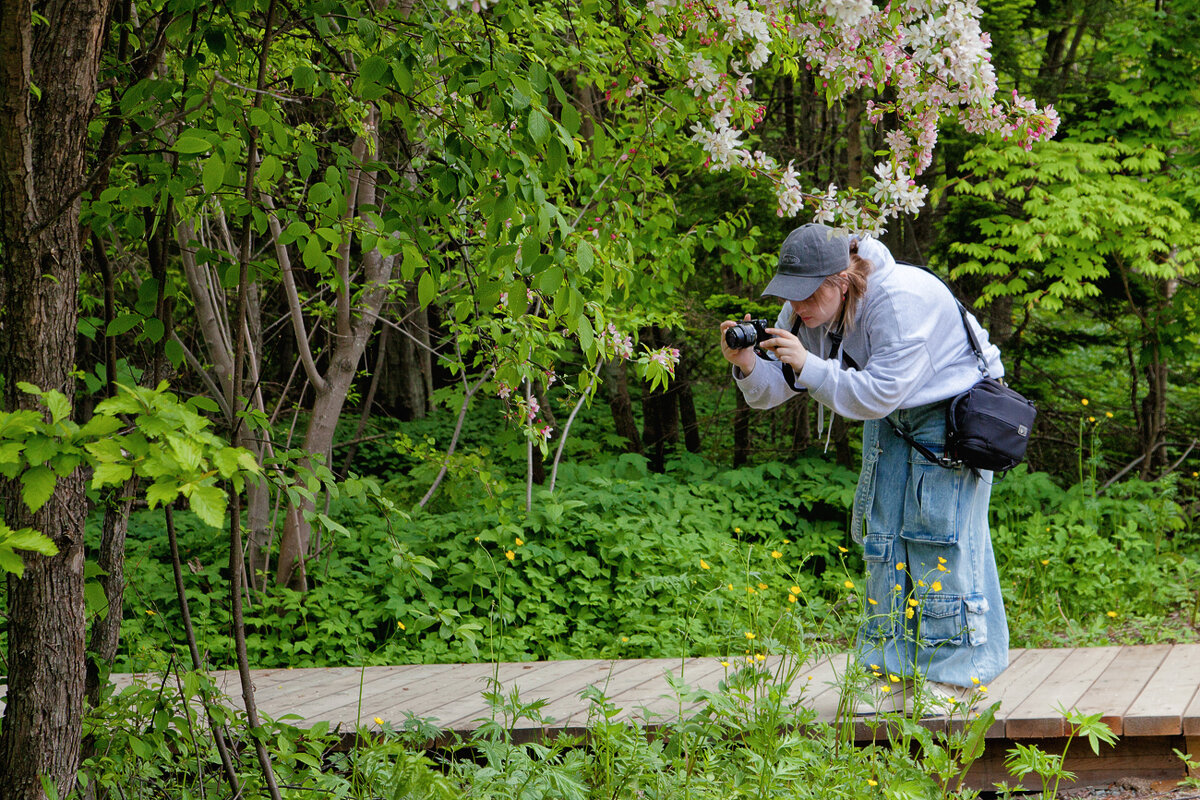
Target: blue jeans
{"points": [[933, 603]]}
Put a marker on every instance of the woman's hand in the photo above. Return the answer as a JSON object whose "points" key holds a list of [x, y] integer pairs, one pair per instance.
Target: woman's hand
{"points": [[787, 348], [743, 359]]}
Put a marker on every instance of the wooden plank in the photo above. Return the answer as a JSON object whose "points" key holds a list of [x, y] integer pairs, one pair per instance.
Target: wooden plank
{"points": [[563, 679], [462, 698], [1038, 717], [342, 704], [450, 679], [1120, 684], [569, 710], [314, 705], [1023, 676], [655, 703], [1191, 719], [1158, 710]]}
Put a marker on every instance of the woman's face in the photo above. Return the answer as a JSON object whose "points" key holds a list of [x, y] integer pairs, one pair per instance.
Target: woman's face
{"points": [[820, 308]]}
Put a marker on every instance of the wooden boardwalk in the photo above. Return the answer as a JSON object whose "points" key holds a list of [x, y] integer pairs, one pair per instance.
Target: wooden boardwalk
{"points": [[1148, 695], [1140, 691]]}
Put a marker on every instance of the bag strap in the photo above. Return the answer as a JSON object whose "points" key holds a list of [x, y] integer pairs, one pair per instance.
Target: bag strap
{"points": [[941, 461]]}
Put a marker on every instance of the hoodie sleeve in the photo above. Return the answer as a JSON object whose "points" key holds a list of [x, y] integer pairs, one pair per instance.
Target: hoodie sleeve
{"points": [[765, 386]]}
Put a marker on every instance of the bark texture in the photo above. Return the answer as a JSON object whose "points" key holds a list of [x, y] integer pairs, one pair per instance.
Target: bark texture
{"points": [[42, 146]]}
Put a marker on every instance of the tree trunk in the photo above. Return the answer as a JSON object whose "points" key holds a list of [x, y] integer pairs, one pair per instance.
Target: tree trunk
{"points": [[42, 163], [660, 413], [741, 431], [801, 408], [687, 407], [106, 629], [616, 389], [406, 382]]}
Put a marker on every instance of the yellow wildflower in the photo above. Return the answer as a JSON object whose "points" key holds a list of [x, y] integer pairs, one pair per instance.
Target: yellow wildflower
{"points": [[936, 586], [912, 602], [885, 688], [787, 541], [749, 635], [737, 530], [983, 689], [379, 720], [731, 587], [776, 554], [151, 612], [894, 678], [703, 564], [477, 538], [941, 560], [749, 659], [849, 584], [942, 568], [920, 583], [791, 598], [871, 600], [510, 555], [520, 541], [1084, 401], [750, 590], [624, 638], [762, 586], [872, 783], [1112, 614], [759, 657], [1108, 414], [900, 566], [724, 663], [1091, 419], [1045, 562], [843, 549], [400, 625], [908, 613], [794, 589], [974, 680], [898, 588]]}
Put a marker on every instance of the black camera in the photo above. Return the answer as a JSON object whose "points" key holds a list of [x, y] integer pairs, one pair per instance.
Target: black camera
{"points": [[748, 333]]}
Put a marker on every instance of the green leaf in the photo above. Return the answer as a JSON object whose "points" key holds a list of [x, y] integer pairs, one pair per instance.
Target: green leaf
{"points": [[585, 256], [213, 174], [109, 474], [123, 323], [208, 503], [37, 486], [539, 126], [174, 352], [551, 279], [161, 492], [100, 426], [29, 539], [191, 144], [153, 328], [426, 288], [95, 599], [570, 119], [587, 336], [58, 405], [373, 69], [11, 562], [304, 77]]}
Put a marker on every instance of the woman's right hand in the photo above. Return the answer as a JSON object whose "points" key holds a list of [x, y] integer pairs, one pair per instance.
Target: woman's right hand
{"points": [[743, 359]]}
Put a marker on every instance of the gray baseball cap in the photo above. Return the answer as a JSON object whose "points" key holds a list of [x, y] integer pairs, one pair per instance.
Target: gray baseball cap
{"points": [[809, 255]]}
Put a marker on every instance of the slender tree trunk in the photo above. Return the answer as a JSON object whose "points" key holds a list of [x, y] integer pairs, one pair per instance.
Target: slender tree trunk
{"points": [[802, 423], [687, 407], [741, 431], [42, 145]]}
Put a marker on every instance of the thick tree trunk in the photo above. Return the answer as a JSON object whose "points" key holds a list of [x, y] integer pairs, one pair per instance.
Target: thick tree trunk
{"points": [[616, 389], [106, 629], [41, 168]]}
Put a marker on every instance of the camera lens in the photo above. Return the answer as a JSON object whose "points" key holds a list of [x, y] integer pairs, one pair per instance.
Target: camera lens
{"points": [[741, 336]]}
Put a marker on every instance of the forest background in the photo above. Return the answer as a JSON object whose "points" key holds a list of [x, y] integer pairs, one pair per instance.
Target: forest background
{"points": [[419, 307]]}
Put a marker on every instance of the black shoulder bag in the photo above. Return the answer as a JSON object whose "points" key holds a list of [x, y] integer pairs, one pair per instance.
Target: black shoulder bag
{"points": [[987, 426]]}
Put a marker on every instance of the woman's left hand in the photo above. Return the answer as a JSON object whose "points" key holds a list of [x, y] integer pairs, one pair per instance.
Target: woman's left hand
{"points": [[787, 348]]}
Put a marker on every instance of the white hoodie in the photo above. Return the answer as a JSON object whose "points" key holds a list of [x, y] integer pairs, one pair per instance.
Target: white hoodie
{"points": [[908, 340]]}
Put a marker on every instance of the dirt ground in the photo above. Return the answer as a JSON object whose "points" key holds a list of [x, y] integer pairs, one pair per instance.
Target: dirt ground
{"points": [[1134, 788]]}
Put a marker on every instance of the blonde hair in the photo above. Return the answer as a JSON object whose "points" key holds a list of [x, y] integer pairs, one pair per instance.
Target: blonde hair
{"points": [[853, 282]]}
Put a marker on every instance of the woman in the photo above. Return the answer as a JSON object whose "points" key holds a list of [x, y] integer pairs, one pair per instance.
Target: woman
{"points": [[933, 594]]}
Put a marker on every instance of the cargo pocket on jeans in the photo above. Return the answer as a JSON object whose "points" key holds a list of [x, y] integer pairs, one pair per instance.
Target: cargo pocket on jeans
{"points": [[877, 553], [931, 500], [953, 619]]}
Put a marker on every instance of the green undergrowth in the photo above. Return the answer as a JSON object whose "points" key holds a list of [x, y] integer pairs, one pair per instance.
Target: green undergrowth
{"points": [[620, 562], [755, 735]]}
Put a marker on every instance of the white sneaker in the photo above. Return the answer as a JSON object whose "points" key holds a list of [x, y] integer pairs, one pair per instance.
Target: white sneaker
{"points": [[933, 699]]}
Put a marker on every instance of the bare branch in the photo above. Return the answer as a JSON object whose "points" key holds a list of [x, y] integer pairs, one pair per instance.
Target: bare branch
{"points": [[293, 298], [562, 435]]}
